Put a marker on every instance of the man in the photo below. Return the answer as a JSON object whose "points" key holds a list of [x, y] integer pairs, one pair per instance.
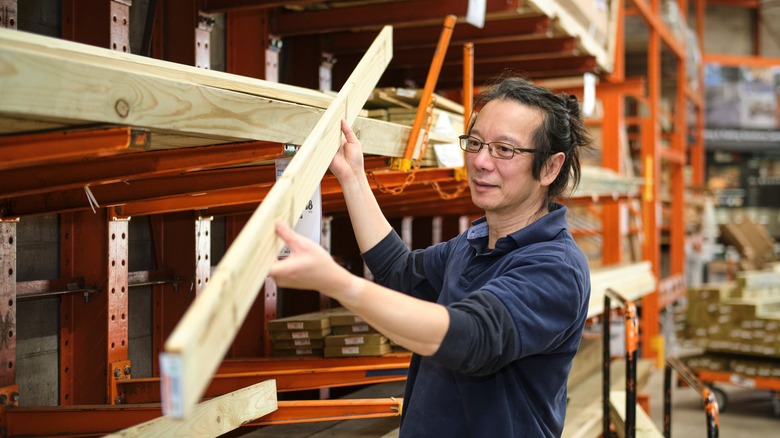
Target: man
{"points": [[495, 315]]}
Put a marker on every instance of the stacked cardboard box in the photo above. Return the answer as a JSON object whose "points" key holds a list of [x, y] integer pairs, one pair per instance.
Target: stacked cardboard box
{"points": [[344, 322], [351, 336], [299, 335], [328, 333], [736, 363], [753, 242], [371, 344], [741, 317]]}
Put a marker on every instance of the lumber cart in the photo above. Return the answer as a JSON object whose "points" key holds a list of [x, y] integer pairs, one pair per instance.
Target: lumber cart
{"points": [[621, 407], [745, 371]]}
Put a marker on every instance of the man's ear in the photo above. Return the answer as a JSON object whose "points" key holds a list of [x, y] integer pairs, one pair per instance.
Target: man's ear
{"points": [[552, 167]]}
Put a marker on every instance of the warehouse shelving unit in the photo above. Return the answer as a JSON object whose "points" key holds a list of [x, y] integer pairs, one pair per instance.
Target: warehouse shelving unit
{"points": [[668, 143], [181, 175]]}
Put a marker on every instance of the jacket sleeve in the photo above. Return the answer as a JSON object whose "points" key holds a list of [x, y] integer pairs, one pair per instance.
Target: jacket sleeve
{"points": [[481, 339], [397, 268]]}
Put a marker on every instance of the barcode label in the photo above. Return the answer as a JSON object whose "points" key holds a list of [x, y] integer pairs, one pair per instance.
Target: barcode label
{"points": [[350, 350], [171, 371]]}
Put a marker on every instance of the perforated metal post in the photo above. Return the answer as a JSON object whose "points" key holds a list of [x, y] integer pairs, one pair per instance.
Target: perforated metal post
{"points": [[9, 391], [8, 14]]}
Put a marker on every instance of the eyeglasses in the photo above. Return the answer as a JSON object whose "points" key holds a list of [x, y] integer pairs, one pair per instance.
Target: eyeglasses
{"points": [[497, 149]]}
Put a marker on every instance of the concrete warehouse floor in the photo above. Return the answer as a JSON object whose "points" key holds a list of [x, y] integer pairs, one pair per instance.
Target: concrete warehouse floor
{"points": [[750, 414]]}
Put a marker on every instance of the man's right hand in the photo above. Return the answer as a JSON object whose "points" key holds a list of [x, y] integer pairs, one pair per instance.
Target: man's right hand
{"points": [[348, 161]]}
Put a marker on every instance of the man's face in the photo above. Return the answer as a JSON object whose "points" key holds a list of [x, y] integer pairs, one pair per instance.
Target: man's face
{"points": [[505, 187]]}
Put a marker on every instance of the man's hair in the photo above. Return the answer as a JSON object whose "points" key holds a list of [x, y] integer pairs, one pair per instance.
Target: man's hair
{"points": [[561, 130]]}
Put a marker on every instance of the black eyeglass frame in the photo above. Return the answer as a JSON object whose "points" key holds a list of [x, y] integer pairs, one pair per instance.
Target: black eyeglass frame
{"points": [[465, 138]]}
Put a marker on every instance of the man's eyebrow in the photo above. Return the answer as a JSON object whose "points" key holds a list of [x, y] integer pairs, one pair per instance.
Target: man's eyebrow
{"points": [[501, 139]]}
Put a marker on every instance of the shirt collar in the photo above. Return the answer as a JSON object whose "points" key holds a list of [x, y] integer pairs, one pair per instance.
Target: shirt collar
{"points": [[544, 229]]}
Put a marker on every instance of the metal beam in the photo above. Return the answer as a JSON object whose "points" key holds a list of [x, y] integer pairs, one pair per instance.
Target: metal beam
{"points": [[102, 420], [537, 67], [192, 184], [418, 57], [331, 410], [243, 5], [147, 390], [19, 151], [67, 175], [401, 14], [210, 202], [426, 36]]}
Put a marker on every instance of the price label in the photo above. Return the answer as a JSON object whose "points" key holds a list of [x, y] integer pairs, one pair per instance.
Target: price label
{"points": [[310, 221]]}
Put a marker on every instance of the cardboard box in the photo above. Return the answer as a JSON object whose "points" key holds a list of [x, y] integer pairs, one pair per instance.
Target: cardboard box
{"points": [[306, 321], [343, 317], [358, 350], [304, 352], [298, 343], [752, 240], [291, 335], [353, 329], [352, 339]]}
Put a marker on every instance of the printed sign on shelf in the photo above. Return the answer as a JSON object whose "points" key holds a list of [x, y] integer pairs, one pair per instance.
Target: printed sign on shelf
{"points": [[310, 222]]}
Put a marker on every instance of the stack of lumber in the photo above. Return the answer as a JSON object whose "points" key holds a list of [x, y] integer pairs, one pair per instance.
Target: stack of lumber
{"points": [[345, 322], [329, 333], [351, 336], [740, 317], [181, 106], [599, 182], [632, 281], [746, 366], [299, 335], [370, 344], [644, 425], [584, 409]]}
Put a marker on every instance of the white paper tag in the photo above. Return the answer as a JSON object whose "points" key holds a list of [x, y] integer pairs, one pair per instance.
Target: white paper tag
{"points": [[588, 94], [448, 155], [299, 335], [171, 371], [309, 223], [476, 13]]}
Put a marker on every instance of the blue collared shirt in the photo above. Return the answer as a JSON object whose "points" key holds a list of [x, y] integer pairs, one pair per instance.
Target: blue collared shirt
{"points": [[516, 319]]}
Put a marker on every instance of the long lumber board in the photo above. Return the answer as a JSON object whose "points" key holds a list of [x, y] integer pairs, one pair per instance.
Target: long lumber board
{"points": [[55, 48], [632, 281], [644, 427], [566, 20], [584, 412], [196, 347], [44, 83], [214, 417]]}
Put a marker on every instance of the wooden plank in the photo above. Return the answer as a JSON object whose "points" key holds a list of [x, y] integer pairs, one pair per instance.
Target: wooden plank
{"points": [[571, 26], [213, 417], [633, 281], [645, 428], [584, 410], [55, 48], [181, 109], [199, 341]]}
